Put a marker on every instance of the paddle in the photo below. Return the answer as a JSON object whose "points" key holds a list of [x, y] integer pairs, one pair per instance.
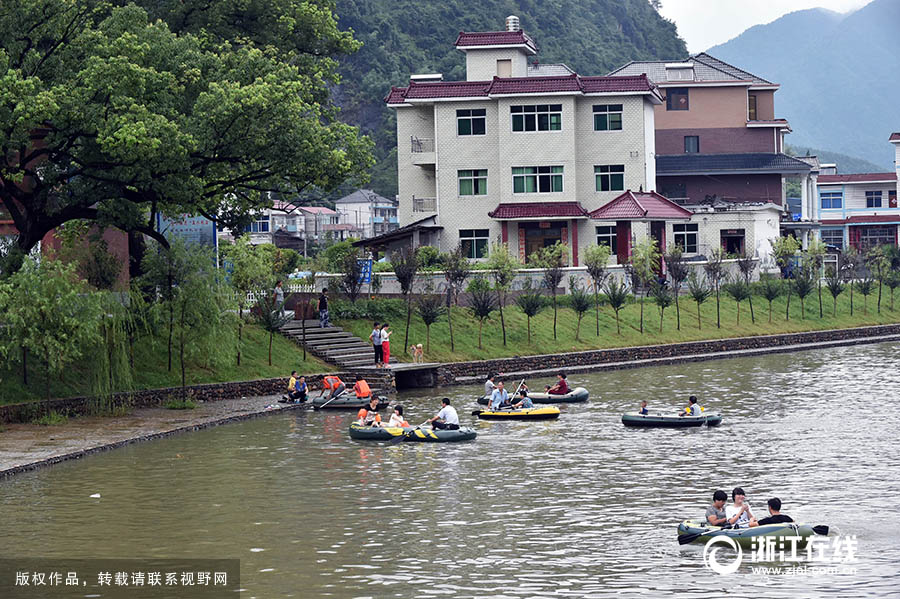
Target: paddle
{"points": [[407, 434], [315, 407], [821, 529]]}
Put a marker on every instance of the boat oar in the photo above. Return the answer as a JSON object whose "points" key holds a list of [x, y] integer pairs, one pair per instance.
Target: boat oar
{"points": [[821, 529], [329, 401], [407, 434]]}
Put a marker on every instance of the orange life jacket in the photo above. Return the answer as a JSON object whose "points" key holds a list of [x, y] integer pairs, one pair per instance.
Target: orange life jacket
{"points": [[331, 382], [362, 388]]}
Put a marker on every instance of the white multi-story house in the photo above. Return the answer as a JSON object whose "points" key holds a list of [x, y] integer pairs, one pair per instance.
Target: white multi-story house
{"points": [[526, 155], [367, 214], [289, 226], [859, 210]]}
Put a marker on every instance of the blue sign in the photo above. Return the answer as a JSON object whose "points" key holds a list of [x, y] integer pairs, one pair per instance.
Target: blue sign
{"points": [[365, 274]]}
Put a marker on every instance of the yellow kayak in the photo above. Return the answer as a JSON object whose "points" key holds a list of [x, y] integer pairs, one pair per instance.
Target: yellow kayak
{"points": [[546, 413]]}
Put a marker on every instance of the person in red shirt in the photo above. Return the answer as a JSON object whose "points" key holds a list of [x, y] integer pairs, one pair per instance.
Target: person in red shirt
{"points": [[561, 387]]}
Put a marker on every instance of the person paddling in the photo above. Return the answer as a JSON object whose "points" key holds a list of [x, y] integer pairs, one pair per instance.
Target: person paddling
{"points": [[776, 516], [524, 400], [447, 418], [333, 383]]}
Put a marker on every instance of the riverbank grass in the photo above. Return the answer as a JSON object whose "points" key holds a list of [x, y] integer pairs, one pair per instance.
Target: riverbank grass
{"points": [[465, 326], [151, 369]]}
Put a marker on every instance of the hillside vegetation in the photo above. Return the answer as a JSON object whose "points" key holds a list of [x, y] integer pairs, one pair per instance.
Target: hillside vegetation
{"points": [[409, 36]]}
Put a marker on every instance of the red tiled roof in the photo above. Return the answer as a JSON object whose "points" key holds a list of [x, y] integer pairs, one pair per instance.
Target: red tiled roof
{"points": [[538, 210], [857, 178], [518, 85], [495, 38], [862, 220], [895, 136], [641, 206]]}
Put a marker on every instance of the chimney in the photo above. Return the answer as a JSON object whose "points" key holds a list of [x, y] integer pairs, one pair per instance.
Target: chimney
{"points": [[512, 23]]}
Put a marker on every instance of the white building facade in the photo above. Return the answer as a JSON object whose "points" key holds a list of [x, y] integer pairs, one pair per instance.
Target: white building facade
{"points": [[368, 213]]}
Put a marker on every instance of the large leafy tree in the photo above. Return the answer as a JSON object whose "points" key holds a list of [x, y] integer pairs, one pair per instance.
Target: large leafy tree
{"points": [[110, 115]]}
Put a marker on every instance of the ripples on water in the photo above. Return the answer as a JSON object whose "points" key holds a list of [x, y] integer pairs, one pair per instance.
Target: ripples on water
{"points": [[579, 507]]}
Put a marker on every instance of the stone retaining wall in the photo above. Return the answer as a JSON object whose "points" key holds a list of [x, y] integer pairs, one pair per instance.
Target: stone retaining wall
{"points": [[74, 406], [461, 372]]}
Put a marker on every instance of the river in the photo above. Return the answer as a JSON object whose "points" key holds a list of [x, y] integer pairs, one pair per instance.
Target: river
{"points": [[577, 507]]}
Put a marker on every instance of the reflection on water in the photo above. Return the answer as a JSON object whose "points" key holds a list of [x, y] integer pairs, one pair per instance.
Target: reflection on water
{"points": [[578, 507]]}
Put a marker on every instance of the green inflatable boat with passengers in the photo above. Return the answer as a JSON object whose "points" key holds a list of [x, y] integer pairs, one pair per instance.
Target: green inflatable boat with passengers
{"points": [[659, 420], [420, 434], [691, 531], [578, 394]]}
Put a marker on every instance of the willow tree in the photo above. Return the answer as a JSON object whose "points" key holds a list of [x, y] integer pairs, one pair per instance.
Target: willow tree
{"points": [[115, 116], [249, 272], [596, 260]]}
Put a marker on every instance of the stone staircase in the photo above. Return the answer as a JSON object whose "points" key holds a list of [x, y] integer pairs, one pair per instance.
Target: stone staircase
{"points": [[332, 344]]}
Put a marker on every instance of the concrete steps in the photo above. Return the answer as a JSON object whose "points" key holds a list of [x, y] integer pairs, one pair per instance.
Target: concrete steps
{"points": [[332, 344]]}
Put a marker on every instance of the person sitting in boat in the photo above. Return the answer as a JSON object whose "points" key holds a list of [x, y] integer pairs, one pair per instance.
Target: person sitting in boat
{"points": [[715, 514], [561, 387], [489, 385], [644, 411], [524, 400], [397, 417], [738, 513], [776, 516], [499, 398], [334, 384], [693, 408], [361, 388], [447, 418], [369, 416]]}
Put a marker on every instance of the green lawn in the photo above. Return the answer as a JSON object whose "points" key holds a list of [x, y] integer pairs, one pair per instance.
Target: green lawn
{"points": [[465, 328], [151, 369]]}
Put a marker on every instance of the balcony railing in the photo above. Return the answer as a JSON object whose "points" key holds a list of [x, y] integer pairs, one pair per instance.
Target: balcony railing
{"points": [[421, 145], [424, 204]]}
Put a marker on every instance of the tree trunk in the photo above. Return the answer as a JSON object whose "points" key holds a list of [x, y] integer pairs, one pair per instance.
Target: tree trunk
{"points": [[718, 314], [699, 324], [820, 299], [181, 355], [428, 337], [450, 322], [408, 317], [171, 331], [834, 307], [578, 327], [802, 308], [240, 330], [618, 328], [851, 297], [597, 308], [480, 326], [879, 296], [660, 320], [641, 298], [738, 313], [528, 318], [677, 312], [752, 315], [47, 358], [554, 314], [271, 334], [770, 311], [787, 310], [502, 322]]}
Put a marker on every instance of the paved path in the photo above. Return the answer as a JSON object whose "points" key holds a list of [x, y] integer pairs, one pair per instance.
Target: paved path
{"points": [[28, 446]]}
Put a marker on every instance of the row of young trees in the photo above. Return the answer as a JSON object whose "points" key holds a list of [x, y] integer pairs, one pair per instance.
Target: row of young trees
{"points": [[720, 276]]}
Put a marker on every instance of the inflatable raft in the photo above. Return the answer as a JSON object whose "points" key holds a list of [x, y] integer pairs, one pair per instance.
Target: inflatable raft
{"points": [[744, 537], [521, 414], [347, 402], [578, 394], [658, 420], [423, 435]]}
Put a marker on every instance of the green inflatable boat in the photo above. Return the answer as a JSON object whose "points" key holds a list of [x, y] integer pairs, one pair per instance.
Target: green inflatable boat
{"points": [[578, 394], [422, 435], [347, 402], [692, 532], [658, 420]]}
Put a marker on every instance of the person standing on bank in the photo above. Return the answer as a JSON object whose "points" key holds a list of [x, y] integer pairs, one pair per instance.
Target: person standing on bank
{"points": [[375, 338], [323, 308], [278, 297], [386, 345]]}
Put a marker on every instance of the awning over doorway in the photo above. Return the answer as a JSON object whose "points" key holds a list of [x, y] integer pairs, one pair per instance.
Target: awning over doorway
{"points": [[642, 206], [538, 211]]}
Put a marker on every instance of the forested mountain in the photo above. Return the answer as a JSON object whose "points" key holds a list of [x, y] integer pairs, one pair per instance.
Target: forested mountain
{"points": [[838, 76], [402, 37]]}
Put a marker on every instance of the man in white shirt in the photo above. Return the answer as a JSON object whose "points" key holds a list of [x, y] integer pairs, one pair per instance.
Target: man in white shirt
{"points": [[738, 513], [447, 418], [489, 385]]}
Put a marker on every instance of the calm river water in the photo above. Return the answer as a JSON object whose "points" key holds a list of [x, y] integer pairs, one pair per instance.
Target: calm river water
{"points": [[579, 507]]}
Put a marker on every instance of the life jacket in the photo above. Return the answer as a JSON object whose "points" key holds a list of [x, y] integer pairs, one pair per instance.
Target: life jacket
{"points": [[370, 416], [362, 388], [332, 382]]}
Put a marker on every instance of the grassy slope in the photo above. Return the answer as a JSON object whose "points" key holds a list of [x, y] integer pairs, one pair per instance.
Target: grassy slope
{"points": [[465, 328], [151, 369]]}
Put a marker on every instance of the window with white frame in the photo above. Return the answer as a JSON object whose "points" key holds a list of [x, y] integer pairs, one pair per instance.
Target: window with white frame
{"points": [[538, 117], [685, 235], [537, 179], [474, 243], [606, 235], [607, 117], [610, 177], [873, 199], [260, 225], [831, 199], [470, 122], [472, 182], [833, 237]]}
